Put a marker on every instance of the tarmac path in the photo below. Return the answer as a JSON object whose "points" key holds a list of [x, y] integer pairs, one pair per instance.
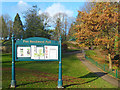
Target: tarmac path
{"points": [[98, 71]]}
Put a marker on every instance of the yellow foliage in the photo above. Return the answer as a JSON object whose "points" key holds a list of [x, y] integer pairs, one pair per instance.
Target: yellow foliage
{"points": [[98, 25]]}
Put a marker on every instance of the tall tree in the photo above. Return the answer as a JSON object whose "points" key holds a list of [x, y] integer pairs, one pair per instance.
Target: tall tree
{"points": [[58, 29], [45, 17], [9, 24], [10, 28], [61, 24], [99, 27], [71, 32], [88, 6], [18, 27], [4, 29], [0, 27], [66, 26], [34, 24]]}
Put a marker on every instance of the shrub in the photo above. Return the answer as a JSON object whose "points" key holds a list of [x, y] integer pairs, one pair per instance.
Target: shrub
{"points": [[64, 46]]}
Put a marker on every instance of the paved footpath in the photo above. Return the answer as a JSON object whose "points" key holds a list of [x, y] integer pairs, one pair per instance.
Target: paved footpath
{"points": [[98, 71]]}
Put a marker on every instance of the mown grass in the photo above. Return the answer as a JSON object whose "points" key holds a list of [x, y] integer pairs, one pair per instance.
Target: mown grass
{"points": [[90, 53], [32, 74], [72, 50], [97, 56]]}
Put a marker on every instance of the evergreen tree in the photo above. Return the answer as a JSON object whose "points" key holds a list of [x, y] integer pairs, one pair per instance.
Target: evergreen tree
{"points": [[71, 34], [34, 24], [0, 27], [4, 29], [18, 27]]}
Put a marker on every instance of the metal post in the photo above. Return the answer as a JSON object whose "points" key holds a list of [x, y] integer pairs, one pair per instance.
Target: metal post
{"points": [[116, 73], [13, 81], [60, 69], [96, 63], [104, 67]]}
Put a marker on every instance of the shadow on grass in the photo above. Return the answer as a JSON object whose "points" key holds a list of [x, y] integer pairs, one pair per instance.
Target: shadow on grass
{"points": [[8, 55], [73, 52], [94, 75], [33, 82], [6, 62]]}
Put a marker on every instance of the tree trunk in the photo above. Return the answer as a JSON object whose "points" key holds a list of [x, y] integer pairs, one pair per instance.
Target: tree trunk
{"points": [[110, 61], [109, 56], [116, 43]]}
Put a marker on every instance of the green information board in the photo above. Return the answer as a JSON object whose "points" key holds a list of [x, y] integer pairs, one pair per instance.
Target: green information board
{"points": [[36, 49]]}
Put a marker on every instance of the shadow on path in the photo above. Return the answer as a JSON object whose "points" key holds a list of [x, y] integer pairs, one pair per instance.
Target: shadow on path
{"points": [[94, 75]]}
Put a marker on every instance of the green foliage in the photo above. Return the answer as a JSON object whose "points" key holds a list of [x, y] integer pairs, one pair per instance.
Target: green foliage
{"points": [[58, 29], [0, 26], [10, 26], [18, 27], [64, 46], [73, 45], [90, 53], [4, 29], [115, 67], [7, 46], [71, 32], [61, 26], [34, 24], [7, 43]]}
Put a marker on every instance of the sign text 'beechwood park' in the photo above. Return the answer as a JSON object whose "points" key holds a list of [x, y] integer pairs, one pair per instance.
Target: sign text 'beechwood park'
{"points": [[36, 49]]}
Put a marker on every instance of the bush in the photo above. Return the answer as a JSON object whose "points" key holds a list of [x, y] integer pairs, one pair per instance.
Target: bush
{"points": [[7, 46], [64, 46], [6, 49]]}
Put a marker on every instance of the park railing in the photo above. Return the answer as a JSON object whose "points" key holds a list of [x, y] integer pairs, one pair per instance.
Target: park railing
{"points": [[104, 67]]}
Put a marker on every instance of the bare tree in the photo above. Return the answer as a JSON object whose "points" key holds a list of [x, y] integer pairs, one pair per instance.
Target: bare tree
{"points": [[61, 23]]}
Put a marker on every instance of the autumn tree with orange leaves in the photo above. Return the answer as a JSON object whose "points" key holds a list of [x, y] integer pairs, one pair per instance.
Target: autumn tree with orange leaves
{"points": [[99, 27]]}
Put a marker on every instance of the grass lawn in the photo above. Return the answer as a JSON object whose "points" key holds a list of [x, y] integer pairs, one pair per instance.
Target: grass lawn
{"points": [[32, 74], [95, 55]]}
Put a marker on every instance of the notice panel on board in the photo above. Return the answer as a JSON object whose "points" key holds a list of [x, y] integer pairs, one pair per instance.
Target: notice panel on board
{"points": [[23, 51], [51, 52], [37, 52]]}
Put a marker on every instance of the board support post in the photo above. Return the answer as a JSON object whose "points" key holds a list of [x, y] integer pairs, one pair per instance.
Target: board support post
{"points": [[60, 68], [13, 81]]}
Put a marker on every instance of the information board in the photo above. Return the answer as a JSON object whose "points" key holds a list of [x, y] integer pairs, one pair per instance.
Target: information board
{"points": [[35, 49]]}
